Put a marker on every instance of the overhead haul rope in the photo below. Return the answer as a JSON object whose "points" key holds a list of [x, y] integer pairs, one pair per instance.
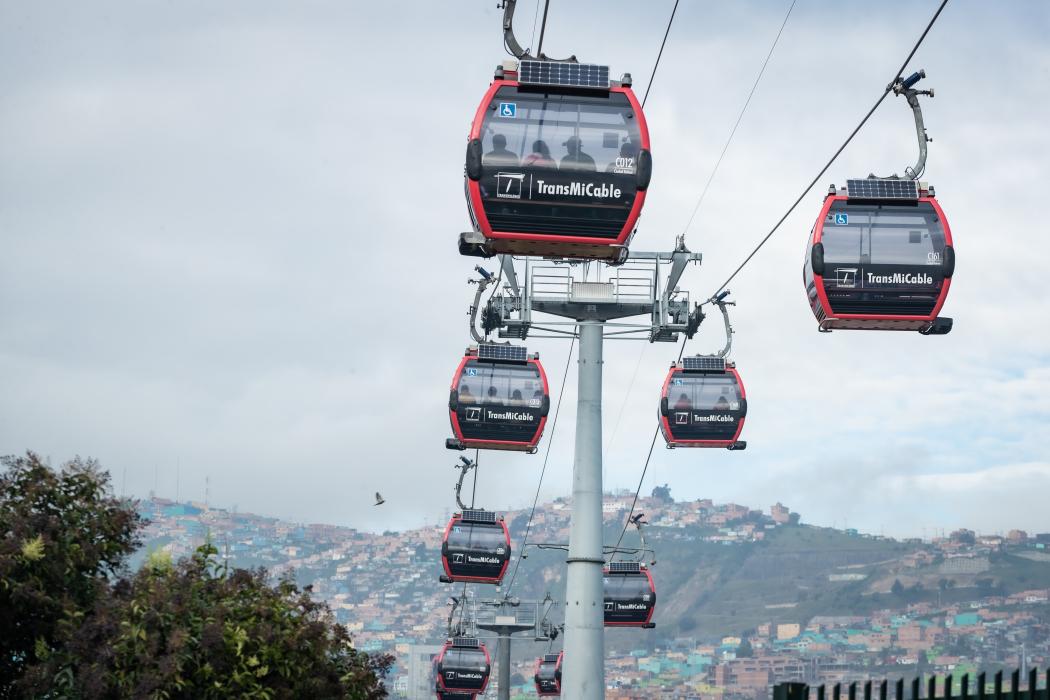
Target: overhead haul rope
{"points": [[656, 433], [546, 457], [887, 91], [707, 185], [663, 43], [740, 116], [561, 393]]}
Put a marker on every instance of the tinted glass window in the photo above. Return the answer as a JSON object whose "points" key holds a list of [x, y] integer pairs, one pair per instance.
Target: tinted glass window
{"points": [[561, 132], [622, 588], [500, 385], [883, 235], [464, 660], [476, 537], [703, 392]]}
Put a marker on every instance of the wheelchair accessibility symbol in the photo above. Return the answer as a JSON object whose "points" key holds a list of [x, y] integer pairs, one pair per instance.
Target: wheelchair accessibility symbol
{"points": [[842, 219], [508, 109]]}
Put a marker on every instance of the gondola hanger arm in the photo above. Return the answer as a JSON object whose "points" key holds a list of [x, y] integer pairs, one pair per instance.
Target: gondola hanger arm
{"points": [[905, 86], [464, 466], [721, 303], [511, 42]]}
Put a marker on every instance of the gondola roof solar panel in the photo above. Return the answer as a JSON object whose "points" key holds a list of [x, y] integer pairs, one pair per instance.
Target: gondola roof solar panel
{"points": [[584, 75], [704, 364], [479, 516], [624, 567], [466, 642], [875, 188], [502, 353]]}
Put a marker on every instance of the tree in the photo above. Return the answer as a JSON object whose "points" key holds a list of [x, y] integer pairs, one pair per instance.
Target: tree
{"points": [[663, 493], [62, 534], [200, 630], [897, 588], [744, 651]]}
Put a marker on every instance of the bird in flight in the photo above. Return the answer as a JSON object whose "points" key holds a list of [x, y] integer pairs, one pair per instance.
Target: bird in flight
{"points": [[379, 499]]}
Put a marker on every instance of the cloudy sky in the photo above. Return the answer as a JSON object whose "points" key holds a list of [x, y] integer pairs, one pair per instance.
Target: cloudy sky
{"points": [[228, 252]]}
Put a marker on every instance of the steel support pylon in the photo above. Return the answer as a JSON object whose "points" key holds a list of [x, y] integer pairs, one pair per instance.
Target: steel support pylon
{"points": [[504, 665], [583, 674]]}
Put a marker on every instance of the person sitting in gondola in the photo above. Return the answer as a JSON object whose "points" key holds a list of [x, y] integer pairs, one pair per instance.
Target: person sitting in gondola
{"points": [[722, 404], [576, 158], [626, 162], [540, 156], [683, 402], [464, 394], [493, 397], [499, 155]]}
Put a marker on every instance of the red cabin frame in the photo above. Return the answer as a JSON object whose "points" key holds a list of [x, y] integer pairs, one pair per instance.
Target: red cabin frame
{"points": [[441, 676], [539, 664], [474, 579], [474, 187], [665, 426], [652, 588], [513, 445], [822, 307]]}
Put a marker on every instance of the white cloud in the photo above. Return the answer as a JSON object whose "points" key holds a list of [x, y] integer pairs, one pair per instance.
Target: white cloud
{"points": [[229, 245]]}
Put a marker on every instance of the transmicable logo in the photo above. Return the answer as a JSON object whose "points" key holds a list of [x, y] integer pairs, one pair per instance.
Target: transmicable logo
{"points": [[579, 189], [520, 416], [712, 418], [900, 278]]}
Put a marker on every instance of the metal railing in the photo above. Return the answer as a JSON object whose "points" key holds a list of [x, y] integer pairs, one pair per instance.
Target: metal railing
{"points": [[949, 688]]}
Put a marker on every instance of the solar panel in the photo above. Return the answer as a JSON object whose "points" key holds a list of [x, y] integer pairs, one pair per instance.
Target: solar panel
{"points": [[550, 658], [502, 353], [624, 567], [704, 363], [479, 516], [466, 642], [874, 188], [585, 75]]}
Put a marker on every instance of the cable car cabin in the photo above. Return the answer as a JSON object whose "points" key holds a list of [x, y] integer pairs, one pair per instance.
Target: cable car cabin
{"points": [[880, 258], [476, 548], [548, 675], [558, 163], [703, 404], [499, 400], [630, 595], [462, 666]]}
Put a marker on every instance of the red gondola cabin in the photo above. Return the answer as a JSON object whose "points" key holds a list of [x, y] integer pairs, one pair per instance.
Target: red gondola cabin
{"points": [[462, 666], [703, 404], [476, 548], [630, 595], [880, 257], [499, 400], [558, 163], [548, 675]]}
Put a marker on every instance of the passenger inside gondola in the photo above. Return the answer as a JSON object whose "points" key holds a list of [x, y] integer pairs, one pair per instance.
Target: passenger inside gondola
{"points": [[464, 394], [540, 156], [493, 397], [722, 404], [683, 402], [626, 162], [516, 399], [499, 155], [576, 158]]}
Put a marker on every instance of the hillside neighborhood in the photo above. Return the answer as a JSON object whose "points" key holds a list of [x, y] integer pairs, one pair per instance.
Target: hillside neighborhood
{"points": [[892, 608]]}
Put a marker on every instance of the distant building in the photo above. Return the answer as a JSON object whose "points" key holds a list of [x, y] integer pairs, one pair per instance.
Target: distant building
{"points": [[788, 630], [780, 513], [420, 664]]}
